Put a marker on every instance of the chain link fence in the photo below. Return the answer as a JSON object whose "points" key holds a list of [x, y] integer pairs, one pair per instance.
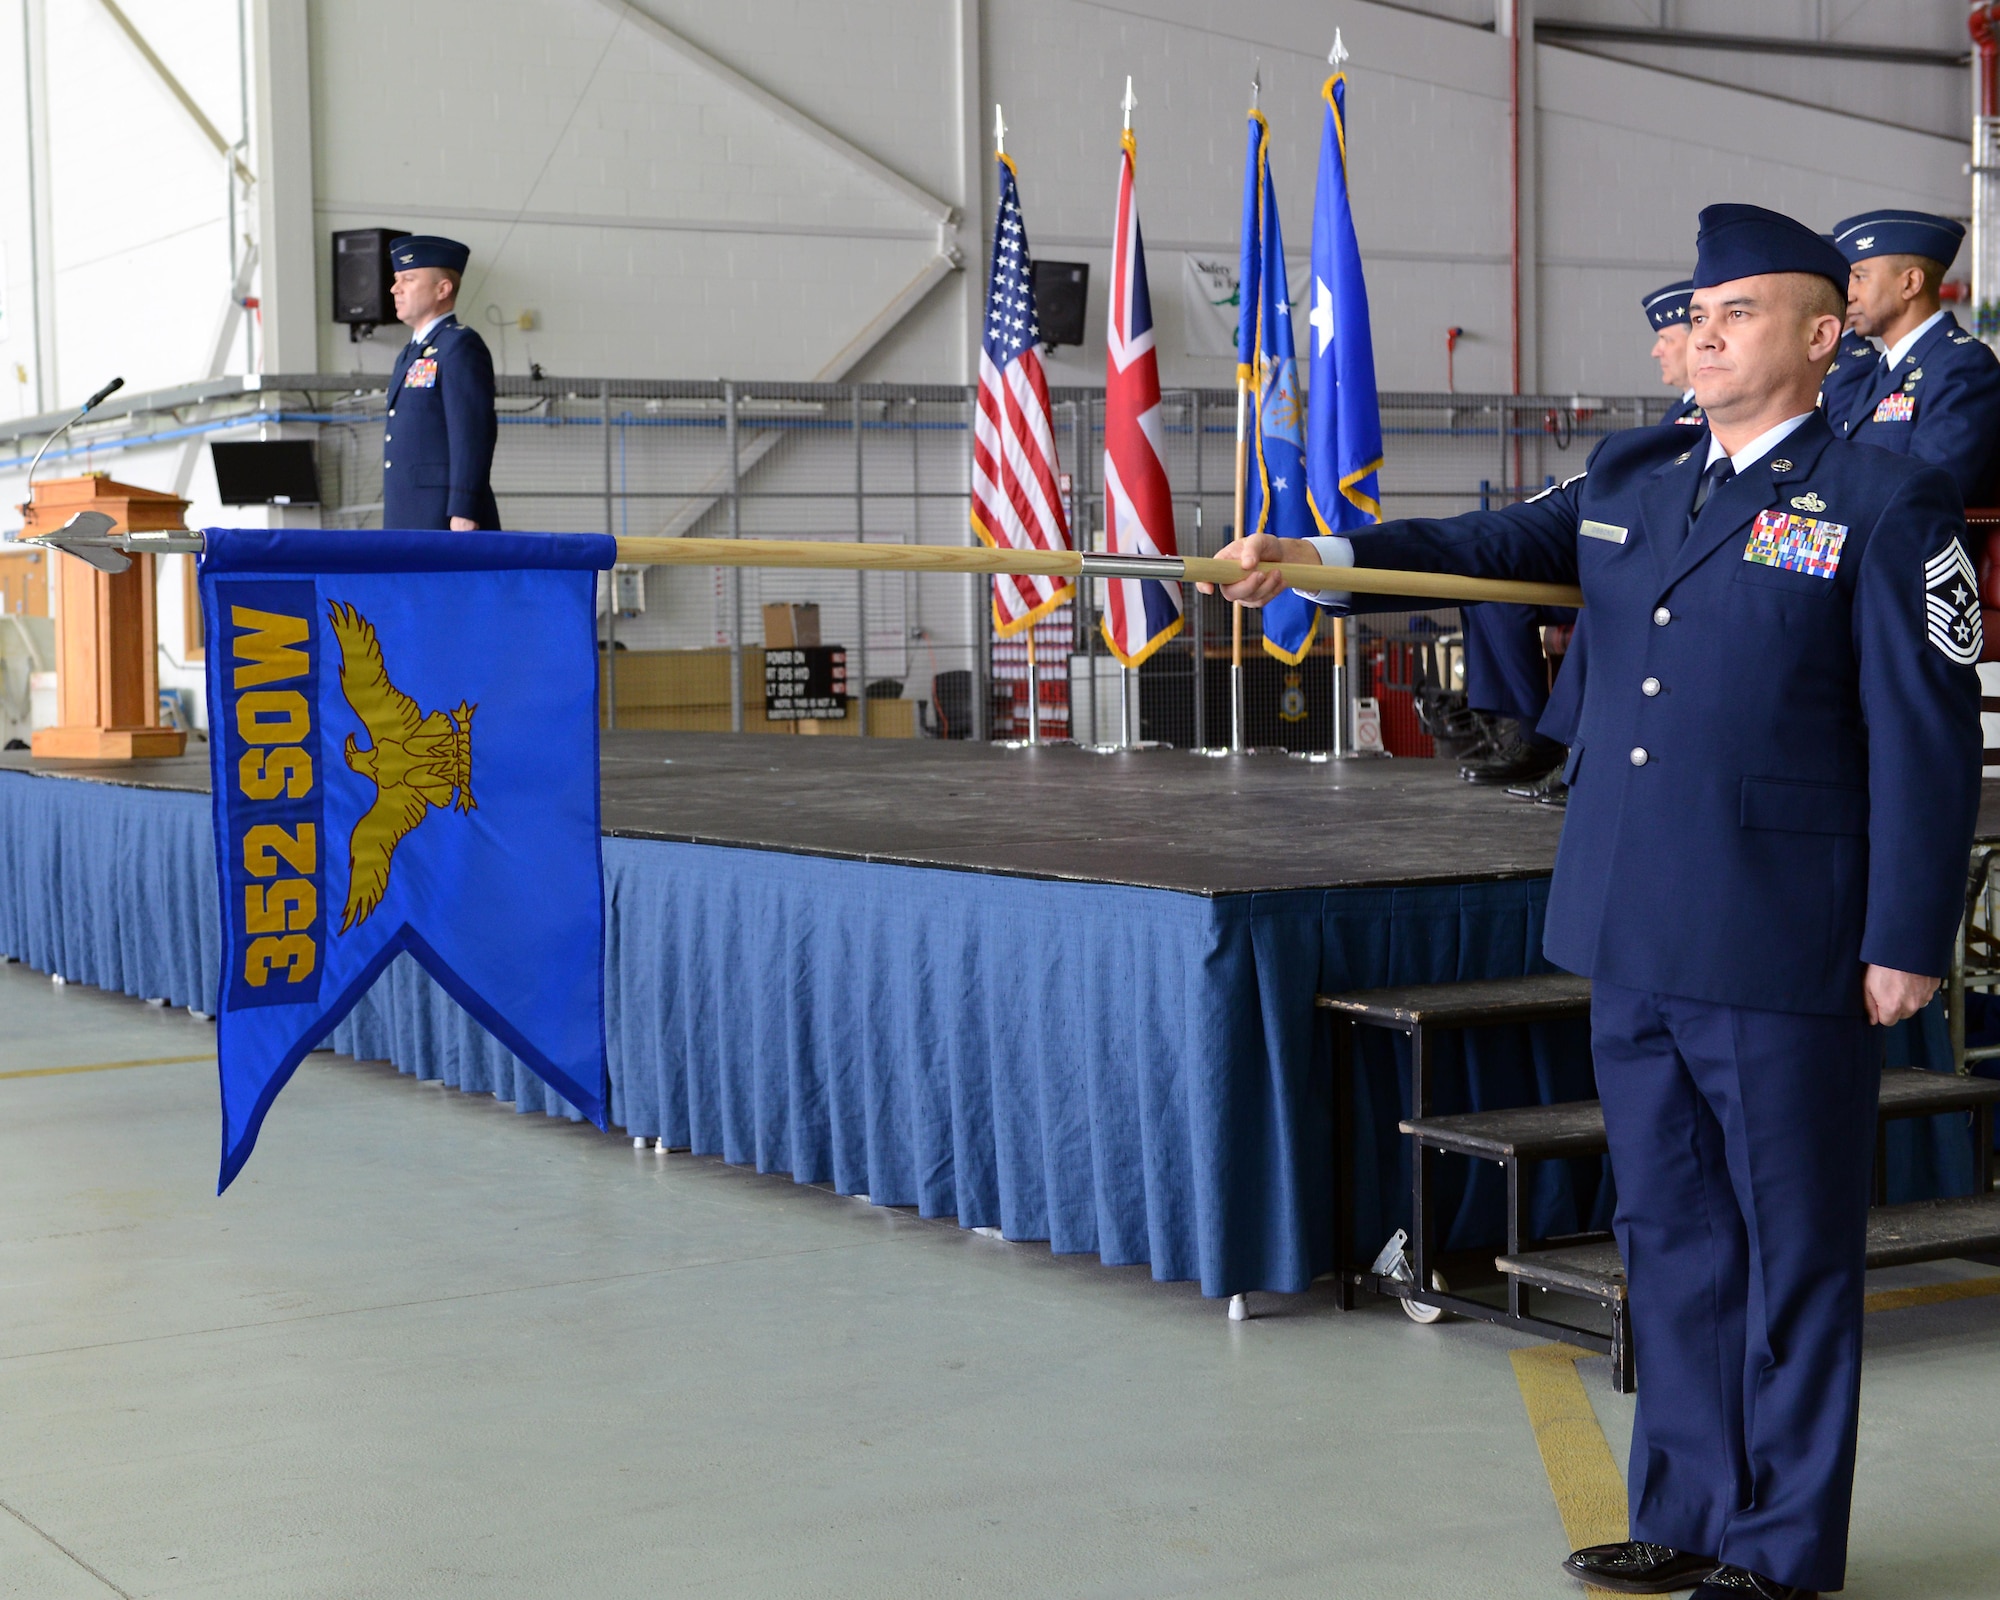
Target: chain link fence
{"points": [[892, 463]]}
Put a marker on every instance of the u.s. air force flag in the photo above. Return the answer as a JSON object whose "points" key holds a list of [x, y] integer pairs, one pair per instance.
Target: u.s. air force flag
{"points": [[1344, 427], [403, 735], [1274, 499]]}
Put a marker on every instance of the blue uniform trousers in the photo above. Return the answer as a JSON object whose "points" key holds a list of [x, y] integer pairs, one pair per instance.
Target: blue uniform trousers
{"points": [[1506, 670], [1742, 1142]]}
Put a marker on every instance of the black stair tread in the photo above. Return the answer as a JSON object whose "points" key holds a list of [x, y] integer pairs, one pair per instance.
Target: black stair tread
{"points": [[1922, 1230], [1912, 1091], [1484, 1000], [1522, 1133], [1576, 1127]]}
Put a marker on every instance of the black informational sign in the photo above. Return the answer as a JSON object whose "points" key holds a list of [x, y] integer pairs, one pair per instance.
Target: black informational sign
{"points": [[808, 683]]}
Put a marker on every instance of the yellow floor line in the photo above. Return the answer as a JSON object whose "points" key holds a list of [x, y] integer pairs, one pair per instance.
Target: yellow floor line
{"points": [[104, 1066], [1930, 1294], [1589, 1488]]}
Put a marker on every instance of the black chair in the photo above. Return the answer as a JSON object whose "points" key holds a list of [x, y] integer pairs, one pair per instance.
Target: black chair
{"points": [[949, 715]]}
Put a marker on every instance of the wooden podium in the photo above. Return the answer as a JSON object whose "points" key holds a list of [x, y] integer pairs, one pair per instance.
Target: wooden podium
{"points": [[107, 628]]}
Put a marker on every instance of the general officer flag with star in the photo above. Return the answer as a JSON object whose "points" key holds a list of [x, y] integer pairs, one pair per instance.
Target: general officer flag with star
{"points": [[1274, 500], [1344, 426], [403, 738]]}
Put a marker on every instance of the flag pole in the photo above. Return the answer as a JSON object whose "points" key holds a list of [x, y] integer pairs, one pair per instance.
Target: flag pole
{"points": [[1236, 745], [1342, 690], [1125, 672], [89, 537], [1236, 607]]}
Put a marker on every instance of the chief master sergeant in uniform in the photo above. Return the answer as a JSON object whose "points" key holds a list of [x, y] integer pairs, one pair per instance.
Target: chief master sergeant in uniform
{"points": [[1772, 799], [437, 447], [1934, 393]]}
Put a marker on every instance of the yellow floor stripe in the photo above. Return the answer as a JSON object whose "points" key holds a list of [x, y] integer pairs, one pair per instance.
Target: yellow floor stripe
{"points": [[1589, 1488], [1930, 1294], [104, 1066]]}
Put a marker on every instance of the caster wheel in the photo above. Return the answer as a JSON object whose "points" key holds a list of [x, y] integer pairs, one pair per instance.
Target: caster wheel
{"points": [[1418, 1312]]}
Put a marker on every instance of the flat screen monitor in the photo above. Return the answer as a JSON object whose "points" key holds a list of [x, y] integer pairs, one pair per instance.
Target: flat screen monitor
{"points": [[266, 472]]}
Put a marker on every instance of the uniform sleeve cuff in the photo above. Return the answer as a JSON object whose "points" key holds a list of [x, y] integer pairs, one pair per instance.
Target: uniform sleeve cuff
{"points": [[1334, 551]]}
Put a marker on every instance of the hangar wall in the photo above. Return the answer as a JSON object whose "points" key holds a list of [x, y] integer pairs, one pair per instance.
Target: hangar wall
{"points": [[765, 190]]}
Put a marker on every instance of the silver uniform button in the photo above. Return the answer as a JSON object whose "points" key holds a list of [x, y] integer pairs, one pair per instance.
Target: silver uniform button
{"points": [[1639, 756], [387, 437], [387, 465], [1650, 687], [1662, 617]]}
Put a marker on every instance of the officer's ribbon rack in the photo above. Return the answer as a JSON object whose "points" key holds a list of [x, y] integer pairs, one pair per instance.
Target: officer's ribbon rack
{"points": [[87, 536]]}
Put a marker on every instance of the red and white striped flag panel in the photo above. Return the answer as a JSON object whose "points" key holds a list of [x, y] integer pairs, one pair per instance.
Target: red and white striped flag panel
{"points": [[1015, 501], [1140, 614]]}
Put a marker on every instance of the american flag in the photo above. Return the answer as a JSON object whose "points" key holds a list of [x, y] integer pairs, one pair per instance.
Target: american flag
{"points": [[1140, 614], [1015, 503]]}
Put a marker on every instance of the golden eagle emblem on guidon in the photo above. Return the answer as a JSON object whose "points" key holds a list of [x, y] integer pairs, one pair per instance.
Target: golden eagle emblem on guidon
{"points": [[415, 761]]}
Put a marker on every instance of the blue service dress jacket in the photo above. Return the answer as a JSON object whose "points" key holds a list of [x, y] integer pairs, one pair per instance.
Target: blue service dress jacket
{"points": [[437, 444], [1774, 775], [1853, 365], [1685, 411], [1941, 404]]}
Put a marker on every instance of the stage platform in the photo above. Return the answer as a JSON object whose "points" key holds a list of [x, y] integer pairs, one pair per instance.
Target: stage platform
{"points": [[1149, 819], [1061, 994]]}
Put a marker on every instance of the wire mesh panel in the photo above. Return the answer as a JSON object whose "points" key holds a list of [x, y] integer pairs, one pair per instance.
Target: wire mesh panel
{"points": [[685, 646]]}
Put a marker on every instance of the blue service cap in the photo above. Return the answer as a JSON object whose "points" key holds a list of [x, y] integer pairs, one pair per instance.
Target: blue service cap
{"points": [[1747, 241], [1668, 307], [428, 250], [1899, 233]]}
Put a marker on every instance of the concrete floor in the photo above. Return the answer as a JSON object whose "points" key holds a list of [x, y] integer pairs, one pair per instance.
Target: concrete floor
{"points": [[427, 1348]]}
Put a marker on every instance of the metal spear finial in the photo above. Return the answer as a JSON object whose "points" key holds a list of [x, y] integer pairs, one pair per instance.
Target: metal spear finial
{"points": [[1129, 103], [1256, 83], [999, 131]]}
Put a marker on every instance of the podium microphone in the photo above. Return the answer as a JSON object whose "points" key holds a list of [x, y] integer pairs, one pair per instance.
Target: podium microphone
{"points": [[85, 410]]}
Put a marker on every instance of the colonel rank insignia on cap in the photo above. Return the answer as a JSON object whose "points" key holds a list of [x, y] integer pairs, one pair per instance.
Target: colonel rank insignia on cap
{"points": [[1951, 598]]}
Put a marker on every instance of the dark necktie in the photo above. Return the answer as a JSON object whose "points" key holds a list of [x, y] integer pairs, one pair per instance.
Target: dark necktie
{"points": [[1719, 472]]}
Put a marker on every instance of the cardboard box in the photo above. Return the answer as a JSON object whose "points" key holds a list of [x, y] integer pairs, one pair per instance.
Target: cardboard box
{"points": [[794, 627]]}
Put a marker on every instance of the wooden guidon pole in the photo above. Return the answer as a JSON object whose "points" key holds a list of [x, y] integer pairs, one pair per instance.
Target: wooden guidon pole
{"points": [[814, 553]]}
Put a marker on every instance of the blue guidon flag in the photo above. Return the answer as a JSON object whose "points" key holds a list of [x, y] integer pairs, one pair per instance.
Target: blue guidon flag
{"points": [[1344, 427], [403, 736], [1274, 499]]}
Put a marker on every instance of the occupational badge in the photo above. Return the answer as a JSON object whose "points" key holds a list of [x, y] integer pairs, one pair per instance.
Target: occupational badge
{"points": [[1795, 544], [1808, 502], [1951, 602]]}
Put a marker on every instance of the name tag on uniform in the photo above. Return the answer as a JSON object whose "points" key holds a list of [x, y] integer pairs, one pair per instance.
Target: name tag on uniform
{"points": [[1609, 532], [1896, 408], [423, 374], [1796, 544]]}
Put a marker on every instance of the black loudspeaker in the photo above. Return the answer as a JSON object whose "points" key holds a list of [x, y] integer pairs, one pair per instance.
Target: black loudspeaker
{"points": [[1062, 290], [362, 275]]}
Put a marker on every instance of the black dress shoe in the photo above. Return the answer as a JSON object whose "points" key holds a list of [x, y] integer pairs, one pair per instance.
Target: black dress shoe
{"points": [[1739, 1583], [1514, 760], [1636, 1567], [1547, 790]]}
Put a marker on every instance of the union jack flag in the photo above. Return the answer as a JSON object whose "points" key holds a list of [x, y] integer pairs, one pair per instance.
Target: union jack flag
{"points": [[1015, 503], [1140, 614]]}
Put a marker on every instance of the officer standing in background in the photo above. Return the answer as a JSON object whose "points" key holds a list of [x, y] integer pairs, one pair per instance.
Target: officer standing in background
{"points": [[1773, 792], [1666, 309], [437, 447], [1934, 393]]}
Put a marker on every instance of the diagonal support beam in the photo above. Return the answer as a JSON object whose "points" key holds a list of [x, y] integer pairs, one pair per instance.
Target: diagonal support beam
{"points": [[941, 211], [176, 88], [754, 447]]}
